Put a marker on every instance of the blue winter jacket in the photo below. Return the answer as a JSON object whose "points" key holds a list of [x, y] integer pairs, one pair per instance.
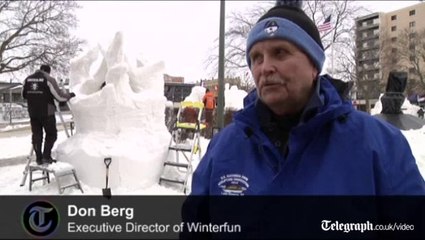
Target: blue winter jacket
{"points": [[338, 151]]}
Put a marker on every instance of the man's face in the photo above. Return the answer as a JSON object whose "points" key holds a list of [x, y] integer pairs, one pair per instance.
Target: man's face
{"points": [[283, 74]]}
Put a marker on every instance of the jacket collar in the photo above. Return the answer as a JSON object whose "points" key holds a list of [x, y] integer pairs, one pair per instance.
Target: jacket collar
{"points": [[267, 117], [325, 101]]}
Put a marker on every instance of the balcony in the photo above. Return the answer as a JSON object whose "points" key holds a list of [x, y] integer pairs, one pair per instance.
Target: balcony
{"points": [[368, 47], [368, 37], [368, 26], [368, 58]]}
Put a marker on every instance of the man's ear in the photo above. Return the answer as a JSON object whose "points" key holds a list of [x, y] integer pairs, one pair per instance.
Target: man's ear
{"points": [[314, 74]]}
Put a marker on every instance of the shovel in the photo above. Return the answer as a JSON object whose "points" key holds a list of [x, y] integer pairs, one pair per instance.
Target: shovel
{"points": [[107, 191]]}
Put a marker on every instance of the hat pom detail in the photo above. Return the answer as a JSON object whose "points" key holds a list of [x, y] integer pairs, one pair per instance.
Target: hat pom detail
{"points": [[290, 3]]}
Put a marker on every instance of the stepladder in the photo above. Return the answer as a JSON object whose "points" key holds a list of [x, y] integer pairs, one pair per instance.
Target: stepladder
{"points": [[68, 131], [60, 170], [185, 144]]}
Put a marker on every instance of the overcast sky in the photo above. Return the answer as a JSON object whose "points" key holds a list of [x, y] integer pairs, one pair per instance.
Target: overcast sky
{"points": [[180, 33]]}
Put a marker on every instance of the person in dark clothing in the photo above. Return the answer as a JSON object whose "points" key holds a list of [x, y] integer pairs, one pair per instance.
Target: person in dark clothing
{"points": [[40, 90], [421, 113]]}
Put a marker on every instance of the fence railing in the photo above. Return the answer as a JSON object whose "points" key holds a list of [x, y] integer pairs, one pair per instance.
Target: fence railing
{"points": [[8, 114]]}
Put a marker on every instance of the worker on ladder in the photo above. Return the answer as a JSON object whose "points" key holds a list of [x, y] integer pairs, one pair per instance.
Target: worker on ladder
{"points": [[209, 106], [40, 90]]}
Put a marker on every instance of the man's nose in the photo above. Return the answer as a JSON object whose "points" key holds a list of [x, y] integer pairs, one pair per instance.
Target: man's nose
{"points": [[268, 66]]}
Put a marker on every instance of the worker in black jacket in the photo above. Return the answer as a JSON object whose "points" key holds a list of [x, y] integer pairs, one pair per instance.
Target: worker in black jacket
{"points": [[40, 90]]}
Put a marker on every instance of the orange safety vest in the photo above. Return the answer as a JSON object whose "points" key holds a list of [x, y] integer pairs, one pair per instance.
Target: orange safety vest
{"points": [[209, 100]]}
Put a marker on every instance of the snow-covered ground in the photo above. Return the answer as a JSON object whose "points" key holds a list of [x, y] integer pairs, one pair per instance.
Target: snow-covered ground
{"points": [[11, 175], [416, 140]]}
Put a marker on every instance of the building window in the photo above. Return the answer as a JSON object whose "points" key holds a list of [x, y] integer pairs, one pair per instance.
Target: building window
{"points": [[393, 50], [411, 24], [412, 12], [412, 58], [394, 60], [412, 70], [412, 47], [393, 17], [393, 28], [394, 39]]}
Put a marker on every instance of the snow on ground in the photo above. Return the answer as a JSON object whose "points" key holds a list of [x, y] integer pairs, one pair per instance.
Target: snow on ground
{"points": [[19, 146], [416, 139], [11, 175]]}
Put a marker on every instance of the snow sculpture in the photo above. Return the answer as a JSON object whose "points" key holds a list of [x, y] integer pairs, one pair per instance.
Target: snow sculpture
{"points": [[118, 113], [235, 96]]}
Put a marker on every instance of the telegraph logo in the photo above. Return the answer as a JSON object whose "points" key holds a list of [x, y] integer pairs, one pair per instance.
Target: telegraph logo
{"points": [[40, 219]]}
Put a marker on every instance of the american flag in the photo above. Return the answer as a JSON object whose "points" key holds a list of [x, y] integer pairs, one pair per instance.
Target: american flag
{"points": [[326, 26]]}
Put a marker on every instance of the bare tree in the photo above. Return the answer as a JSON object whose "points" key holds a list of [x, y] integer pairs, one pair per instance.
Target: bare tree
{"points": [[389, 54], [35, 32], [410, 47], [345, 61], [342, 14], [235, 37], [379, 55], [246, 83]]}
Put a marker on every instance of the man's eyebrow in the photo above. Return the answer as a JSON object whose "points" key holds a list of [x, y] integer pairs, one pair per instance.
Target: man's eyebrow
{"points": [[253, 52]]}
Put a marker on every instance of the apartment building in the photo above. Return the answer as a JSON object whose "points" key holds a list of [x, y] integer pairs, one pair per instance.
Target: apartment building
{"points": [[379, 49]]}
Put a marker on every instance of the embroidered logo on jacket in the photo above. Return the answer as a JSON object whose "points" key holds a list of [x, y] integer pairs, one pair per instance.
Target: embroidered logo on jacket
{"points": [[34, 86], [233, 184]]}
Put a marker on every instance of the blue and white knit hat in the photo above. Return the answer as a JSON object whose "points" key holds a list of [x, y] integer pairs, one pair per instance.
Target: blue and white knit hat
{"points": [[287, 21]]}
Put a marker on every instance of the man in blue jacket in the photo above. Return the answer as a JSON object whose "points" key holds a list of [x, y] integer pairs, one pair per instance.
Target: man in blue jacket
{"points": [[298, 136]]}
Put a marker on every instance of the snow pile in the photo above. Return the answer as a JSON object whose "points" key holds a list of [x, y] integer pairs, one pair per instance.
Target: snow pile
{"points": [[196, 94], [416, 139], [233, 98], [407, 107], [118, 113]]}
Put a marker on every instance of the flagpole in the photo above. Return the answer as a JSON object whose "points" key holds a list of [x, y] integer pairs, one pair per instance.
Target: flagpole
{"points": [[326, 26]]}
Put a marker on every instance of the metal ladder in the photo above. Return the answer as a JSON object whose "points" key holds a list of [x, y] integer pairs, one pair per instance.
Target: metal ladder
{"points": [[185, 149]]}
